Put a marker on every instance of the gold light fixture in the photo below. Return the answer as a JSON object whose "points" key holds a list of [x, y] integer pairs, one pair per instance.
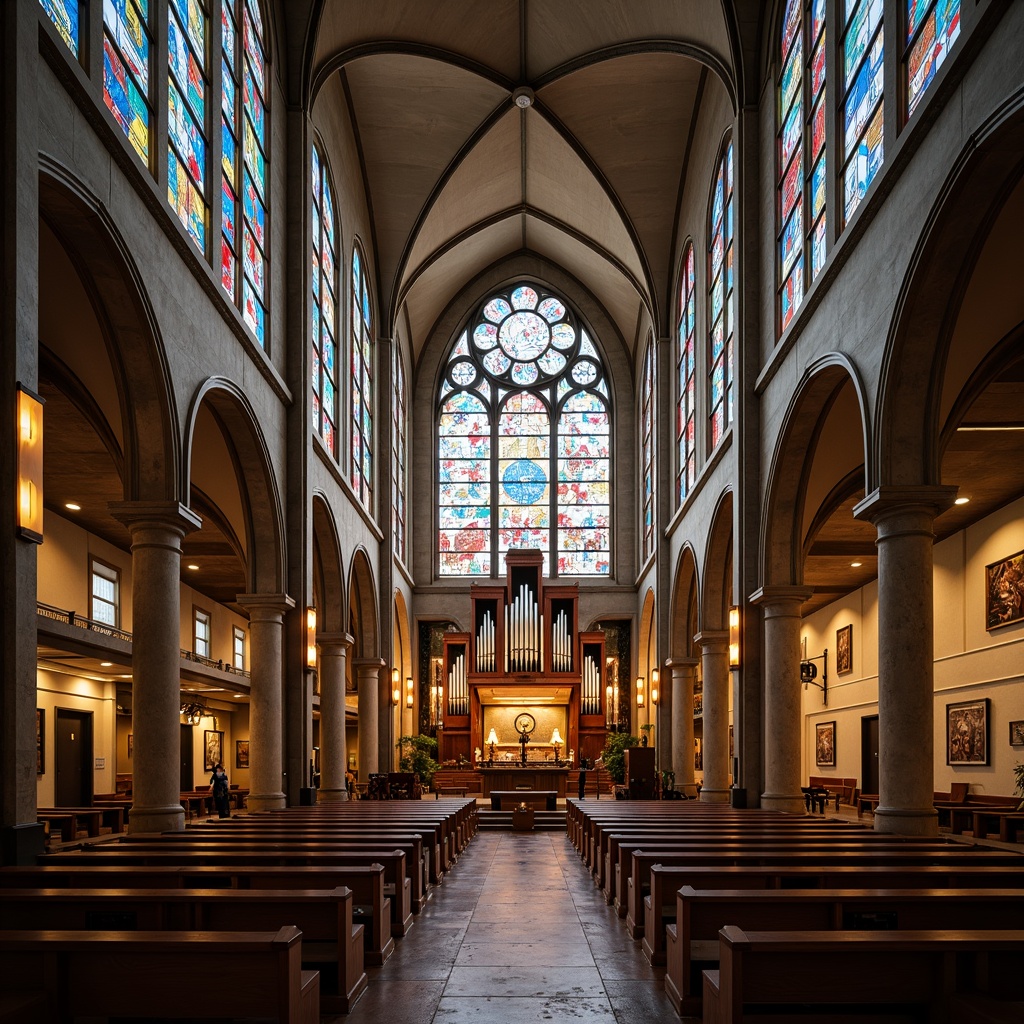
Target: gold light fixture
{"points": [[396, 689], [734, 637], [311, 637], [30, 465], [655, 677], [639, 691], [556, 742], [492, 739], [409, 693]]}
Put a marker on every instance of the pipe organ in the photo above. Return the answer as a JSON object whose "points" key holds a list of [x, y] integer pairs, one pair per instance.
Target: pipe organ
{"points": [[524, 647]]}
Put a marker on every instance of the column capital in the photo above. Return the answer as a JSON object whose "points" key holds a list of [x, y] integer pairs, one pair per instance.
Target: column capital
{"points": [[780, 593], [887, 501], [365, 664], [335, 643], [159, 515], [266, 607], [709, 639], [681, 663]]}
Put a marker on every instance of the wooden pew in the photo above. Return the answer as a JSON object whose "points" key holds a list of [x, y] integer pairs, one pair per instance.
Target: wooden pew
{"points": [[231, 856], [775, 974], [330, 939], [90, 820], [120, 974], [370, 907], [692, 941]]}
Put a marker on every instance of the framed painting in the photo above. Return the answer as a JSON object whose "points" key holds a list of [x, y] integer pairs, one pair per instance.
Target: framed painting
{"points": [[825, 744], [241, 753], [1017, 734], [967, 732], [1004, 591], [844, 650], [213, 746], [40, 741]]}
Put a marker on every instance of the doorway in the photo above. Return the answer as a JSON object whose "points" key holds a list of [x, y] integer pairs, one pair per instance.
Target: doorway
{"points": [[188, 781], [869, 754], [73, 758]]}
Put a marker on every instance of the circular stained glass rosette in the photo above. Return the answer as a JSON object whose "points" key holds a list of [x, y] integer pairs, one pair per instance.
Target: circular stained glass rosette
{"points": [[524, 482]]}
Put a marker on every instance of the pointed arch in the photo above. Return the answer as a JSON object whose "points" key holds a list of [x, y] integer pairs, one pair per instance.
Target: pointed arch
{"points": [[685, 605], [717, 593], [362, 603], [328, 569]]}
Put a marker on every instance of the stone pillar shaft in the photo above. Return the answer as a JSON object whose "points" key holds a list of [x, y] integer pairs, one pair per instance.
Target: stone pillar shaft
{"points": [[683, 673], [334, 650], [368, 675], [714, 646]]}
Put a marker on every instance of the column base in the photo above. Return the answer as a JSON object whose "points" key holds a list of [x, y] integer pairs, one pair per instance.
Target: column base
{"points": [[714, 796], [22, 844], [331, 796], [266, 802], [784, 802], [156, 819], [907, 821]]}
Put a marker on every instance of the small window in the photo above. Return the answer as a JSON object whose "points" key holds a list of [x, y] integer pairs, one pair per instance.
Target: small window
{"points": [[201, 632], [104, 590], [238, 648]]}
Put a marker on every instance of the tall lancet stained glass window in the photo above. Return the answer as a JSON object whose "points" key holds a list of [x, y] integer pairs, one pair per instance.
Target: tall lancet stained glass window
{"points": [[361, 383], [66, 17], [127, 50], [399, 418], [686, 421], [721, 299], [647, 449], [323, 308], [863, 53], [932, 28], [524, 440]]}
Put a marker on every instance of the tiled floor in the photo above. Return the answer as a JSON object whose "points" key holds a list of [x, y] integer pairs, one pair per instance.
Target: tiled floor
{"points": [[517, 934]]}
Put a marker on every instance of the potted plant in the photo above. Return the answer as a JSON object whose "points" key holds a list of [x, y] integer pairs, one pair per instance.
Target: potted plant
{"points": [[416, 754], [613, 757]]}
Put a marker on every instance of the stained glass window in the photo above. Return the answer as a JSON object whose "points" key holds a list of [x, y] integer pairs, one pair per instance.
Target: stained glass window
{"points": [[686, 448], [187, 29], [800, 153], [647, 449], [244, 136], [127, 42], [862, 52], [65, 16], [361, 382], [721, 299], [524, 440], [323, 309], [932, 28], [398, 454]]}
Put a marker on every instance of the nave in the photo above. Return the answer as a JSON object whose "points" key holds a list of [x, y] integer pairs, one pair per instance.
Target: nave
{"points": [[517, 933]]}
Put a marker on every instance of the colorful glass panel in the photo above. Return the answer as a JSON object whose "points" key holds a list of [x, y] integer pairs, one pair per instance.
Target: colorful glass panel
{"points": [[125, 101], [720, 304], [647, 386], [361, 384], [186, 69], [939, 31], [65, 17], [791, 77], [862, 97], [227, 267], [792, 293], [325, 378], [685, 452], [186, 200], [398, 457], [792, 132], [186, 136], [228, 96], [253, 312], [863, 166], [861, 27], [124, 25]]}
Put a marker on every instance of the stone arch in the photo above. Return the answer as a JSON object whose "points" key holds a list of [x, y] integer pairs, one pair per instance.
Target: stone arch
{"points": [[717, 588], [684, 604], [328, 569], [152, 451], [907, 444], [403, 655], [646, 658], [257, 484], [362, 590]]}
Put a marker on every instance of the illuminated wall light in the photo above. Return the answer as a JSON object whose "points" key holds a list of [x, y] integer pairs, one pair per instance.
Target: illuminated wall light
{"points": [[30, 465], [655, 678], [734, 637], [73, 506], [961, 501], [409, 692], [311, 637], [856, 565], [639, 691]]}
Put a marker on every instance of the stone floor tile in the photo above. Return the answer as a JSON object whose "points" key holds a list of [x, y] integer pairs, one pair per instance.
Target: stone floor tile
{"points": [[523, 1011], [560, 982]]}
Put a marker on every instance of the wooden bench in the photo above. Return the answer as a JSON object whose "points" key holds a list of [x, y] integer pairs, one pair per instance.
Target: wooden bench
{"points": [[370, 907], [692, 941], [441, 791], [143, 973], [776, 975], [532, 797], [330, 939], [839, 790]]}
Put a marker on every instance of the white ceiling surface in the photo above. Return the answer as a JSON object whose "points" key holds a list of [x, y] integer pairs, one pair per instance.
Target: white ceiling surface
{"points": [[459, 178]]}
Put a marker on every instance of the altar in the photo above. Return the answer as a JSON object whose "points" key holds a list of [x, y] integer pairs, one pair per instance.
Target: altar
{"points": [[533, 776]]}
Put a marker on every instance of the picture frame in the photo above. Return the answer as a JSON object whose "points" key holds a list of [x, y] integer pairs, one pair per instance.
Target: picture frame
{"points": [[40, 741], [241, 753], [1017, 734], [1004, 591], [213, 748], [967, 732], [825, 744], [844, 650]]}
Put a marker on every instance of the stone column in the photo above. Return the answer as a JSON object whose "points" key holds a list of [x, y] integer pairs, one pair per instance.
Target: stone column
{"points": [[156, 529], [368, 676], [334, 648], [683, 673], [714, 647], [904, 519], [266, 698], [782, 712]]}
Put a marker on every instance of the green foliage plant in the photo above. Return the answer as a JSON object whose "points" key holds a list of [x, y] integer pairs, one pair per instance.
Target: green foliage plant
{"points": [[1018, 778], [614, 754], [418, 754]]}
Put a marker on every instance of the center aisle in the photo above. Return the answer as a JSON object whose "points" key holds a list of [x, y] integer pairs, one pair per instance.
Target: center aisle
{"points": [[517, 933]]}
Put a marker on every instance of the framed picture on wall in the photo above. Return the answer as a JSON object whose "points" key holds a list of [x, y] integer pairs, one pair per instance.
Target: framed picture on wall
{"points": [[844, 650], [825, 744], [1004, 591], [241, 753], [967, 732], [213, 745], [40, 741], [1017, 734]]}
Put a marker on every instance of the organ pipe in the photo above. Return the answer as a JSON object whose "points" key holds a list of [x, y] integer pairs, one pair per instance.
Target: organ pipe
{"points": [[591, 702], [524, 625], [486, 655], [458, 687]]}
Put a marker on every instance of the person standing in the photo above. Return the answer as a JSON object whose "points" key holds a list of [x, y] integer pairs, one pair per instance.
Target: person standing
{"points": [[219, 787], [583, 778]]}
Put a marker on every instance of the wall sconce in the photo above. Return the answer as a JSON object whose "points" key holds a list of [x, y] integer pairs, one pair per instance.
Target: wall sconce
{"points": [[409, 693], [809, 673], [30, 465], [655, 676], [639, 691], [311, 637], [396, 689], [734, 637], [193, 712], [492, 739]]}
